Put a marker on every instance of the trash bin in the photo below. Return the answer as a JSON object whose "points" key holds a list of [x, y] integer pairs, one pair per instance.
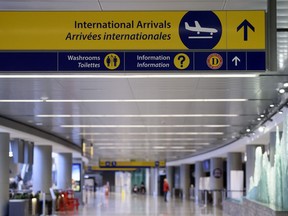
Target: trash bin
{"points": [[19, 207], [177, 193]]}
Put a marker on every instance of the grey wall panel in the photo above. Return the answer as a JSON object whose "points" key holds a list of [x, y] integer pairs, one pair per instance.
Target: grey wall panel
{"points": [[28, 152], [17, 147]]}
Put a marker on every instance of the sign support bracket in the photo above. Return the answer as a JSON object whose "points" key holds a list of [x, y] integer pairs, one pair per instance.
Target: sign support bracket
{"points": [[271, 33]]}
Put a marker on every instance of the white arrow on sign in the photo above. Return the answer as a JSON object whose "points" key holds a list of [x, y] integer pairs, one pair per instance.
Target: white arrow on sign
{"points": [[236, 60]]}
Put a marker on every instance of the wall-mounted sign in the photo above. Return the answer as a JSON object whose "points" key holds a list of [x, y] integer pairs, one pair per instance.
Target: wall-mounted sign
{"points": [[217, 173], [76, 177]]}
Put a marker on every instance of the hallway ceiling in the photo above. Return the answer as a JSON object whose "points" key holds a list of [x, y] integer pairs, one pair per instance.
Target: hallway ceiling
{"points": [[145, 118]]}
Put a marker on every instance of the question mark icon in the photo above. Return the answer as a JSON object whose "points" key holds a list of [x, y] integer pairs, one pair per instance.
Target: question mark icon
{"points": [[181, 61], [181, 58]]}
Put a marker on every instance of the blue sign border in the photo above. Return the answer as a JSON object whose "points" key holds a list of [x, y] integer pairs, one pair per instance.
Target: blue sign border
{"points": [[56, 62]]}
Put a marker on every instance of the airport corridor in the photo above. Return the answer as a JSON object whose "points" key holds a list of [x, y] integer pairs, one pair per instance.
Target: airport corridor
{"points": [[142, 205]]}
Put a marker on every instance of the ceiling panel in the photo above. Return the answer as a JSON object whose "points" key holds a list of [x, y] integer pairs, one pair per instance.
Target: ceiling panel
{"points": [[200, 108], [47, 6], [152, 6], [170, 1], [246, 5], [229, 83]]}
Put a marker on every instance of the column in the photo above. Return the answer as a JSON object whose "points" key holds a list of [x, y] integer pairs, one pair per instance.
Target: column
{"points": [[199, 172], [185, 180], [234, 162], [169, 176], [176, 181], [216, 179], [250, 163], [64, 170], [176, 177], [4, 173], [42, 168], [154, 181], [272, 146], [147, 180]]}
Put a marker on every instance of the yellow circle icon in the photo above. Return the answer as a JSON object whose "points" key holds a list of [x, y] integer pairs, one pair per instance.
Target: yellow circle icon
{"points": [[181, 61], [112, 61], [214, 61]]}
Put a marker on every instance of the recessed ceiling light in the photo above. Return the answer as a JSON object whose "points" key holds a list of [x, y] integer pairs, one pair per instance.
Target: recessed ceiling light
{"points": [[280, 112], [258, 119], [261, 128], [248, 130], [285, 85], [272, 105], [262, 115], [281, 90]]}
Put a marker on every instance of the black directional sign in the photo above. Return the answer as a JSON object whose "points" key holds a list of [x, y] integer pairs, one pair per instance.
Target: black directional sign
{"points": [[245, 25]]}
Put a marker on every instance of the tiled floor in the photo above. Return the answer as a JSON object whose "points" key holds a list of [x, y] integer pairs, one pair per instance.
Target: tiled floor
{"points": [[141, 205]]}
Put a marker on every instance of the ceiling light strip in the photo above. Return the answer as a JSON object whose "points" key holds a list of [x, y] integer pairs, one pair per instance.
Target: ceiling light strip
{"points": [[143, 149], [157, 139], [21, 101], [122, 101], [156, 133], [148, 144], [141, 126], [177, 147], [136, 116], [151, 100], [124, 76]]}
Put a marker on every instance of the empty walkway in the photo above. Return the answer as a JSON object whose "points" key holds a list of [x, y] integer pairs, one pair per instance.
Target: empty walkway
{"points": [[141, 205]]}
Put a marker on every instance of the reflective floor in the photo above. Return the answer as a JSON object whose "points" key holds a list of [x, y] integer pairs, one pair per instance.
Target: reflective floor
{"points": [[140, 205]]}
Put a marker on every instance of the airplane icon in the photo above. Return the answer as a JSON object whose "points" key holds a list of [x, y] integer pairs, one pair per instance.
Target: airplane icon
{"points": [[197, 28]]}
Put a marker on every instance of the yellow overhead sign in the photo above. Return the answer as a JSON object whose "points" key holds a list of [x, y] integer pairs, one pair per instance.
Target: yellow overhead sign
{"points": [[246, 30], [96, 168], [141, 30], [131, 164]]}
